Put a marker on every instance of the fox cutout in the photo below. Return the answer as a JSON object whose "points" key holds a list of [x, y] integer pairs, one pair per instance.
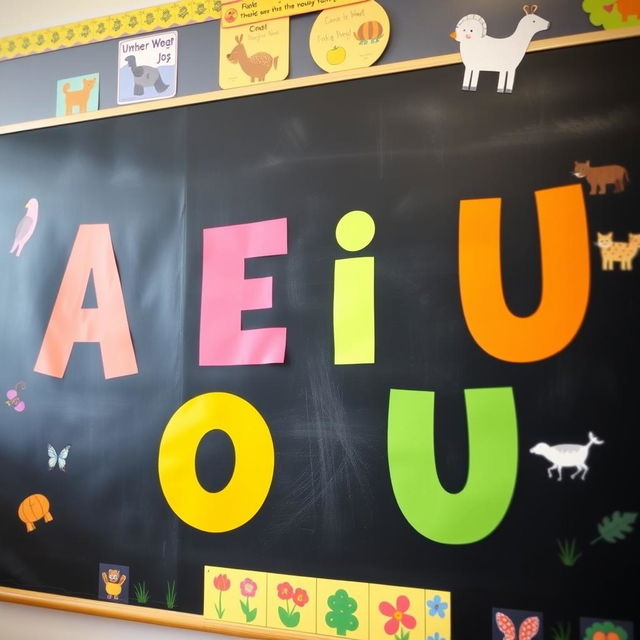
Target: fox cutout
{"points": [[528, 629]]}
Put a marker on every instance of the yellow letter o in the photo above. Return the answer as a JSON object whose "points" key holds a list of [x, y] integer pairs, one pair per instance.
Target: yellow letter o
{"points": [[247, 490]]}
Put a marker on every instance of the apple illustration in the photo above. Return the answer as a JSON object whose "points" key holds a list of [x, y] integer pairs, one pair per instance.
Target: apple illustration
{"points": [[336, 55]]}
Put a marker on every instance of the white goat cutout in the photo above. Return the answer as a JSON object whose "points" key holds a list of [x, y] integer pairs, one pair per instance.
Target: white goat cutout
{"points": [[481, 52], [566, 455]]}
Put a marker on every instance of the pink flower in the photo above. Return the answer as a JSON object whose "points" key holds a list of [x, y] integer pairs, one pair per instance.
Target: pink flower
{"points": [[397, 615], [285, 591], [248, 588], [300, 597], [221, 582]]}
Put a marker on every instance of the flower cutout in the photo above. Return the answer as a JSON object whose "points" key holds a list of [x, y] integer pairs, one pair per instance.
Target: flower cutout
{"points": [[300, 597], [436, 636], [248, 588], [285, 591], [437, 607], [397, 615], [221, 582]]}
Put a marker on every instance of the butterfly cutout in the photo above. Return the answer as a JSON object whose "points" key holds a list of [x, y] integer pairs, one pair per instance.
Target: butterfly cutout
{"points": [[528, 629], [58, 458], [13, 399]]}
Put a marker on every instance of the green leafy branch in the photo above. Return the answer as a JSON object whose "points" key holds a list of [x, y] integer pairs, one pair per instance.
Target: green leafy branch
{"points": [[616, 527]]}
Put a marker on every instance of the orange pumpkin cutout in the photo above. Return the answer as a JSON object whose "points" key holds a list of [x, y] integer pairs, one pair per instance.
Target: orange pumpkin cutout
{"points": [[610, 635], [32, 509]]}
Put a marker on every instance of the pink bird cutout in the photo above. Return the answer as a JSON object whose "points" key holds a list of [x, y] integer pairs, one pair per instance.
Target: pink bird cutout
{"points": [[26, 226]]}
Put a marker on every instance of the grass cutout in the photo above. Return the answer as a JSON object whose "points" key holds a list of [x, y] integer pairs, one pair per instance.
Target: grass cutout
{"points": [[141, 592], [561, 631], [568, 553], [171, 594]]}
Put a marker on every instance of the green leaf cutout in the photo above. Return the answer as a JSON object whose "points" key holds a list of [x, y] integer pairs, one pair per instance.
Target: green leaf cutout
{"points": [[616, 527], [251, 616]]}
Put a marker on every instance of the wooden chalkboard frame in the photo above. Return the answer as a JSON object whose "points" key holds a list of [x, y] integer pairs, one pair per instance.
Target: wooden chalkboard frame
{"points": [[193, 621]]}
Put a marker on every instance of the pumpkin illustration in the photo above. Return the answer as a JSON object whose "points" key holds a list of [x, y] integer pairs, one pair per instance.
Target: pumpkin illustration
{"points": [[32, 509], [371, 30]]}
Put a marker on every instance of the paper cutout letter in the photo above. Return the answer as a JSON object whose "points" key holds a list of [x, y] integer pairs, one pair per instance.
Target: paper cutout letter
{"points": [[107, 324], [473, 513], [247, 490], [226, 294], [564, 245], [353, 293], [481, 52]]}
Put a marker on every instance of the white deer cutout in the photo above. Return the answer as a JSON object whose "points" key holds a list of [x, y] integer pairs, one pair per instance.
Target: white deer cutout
{"points": [[566, 455], [481, 52]]}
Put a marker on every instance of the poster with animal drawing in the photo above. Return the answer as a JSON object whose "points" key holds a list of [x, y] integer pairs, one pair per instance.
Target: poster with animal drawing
{"points": [[113, 582], [349, 37], [148, 67], [78, 95], [254, 53]]}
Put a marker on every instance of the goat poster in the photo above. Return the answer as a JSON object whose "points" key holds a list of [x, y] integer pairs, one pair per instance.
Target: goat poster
{"points": [[254, 53], [148, 67]]}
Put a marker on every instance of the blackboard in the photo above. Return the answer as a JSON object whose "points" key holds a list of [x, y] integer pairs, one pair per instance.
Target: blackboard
{"points": [[407, 149]]}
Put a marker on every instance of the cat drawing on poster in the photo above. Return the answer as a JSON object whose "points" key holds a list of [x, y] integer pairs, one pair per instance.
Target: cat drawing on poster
{"points": [[481, 52]]}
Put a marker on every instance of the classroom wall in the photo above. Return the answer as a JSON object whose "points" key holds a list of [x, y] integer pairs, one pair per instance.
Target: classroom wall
{"points": [[29, 93]]}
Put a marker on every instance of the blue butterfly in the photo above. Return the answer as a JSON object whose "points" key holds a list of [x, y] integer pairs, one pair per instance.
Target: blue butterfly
{"points": [[58, 458]]}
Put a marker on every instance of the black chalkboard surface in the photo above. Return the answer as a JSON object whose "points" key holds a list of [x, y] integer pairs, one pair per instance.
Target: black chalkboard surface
{"points": [[406, 149]]}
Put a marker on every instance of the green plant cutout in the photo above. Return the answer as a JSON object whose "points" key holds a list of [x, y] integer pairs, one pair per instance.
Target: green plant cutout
{"points": [[567, 552], [141, 592], [605, 630], [561, 631], [171, 594], [615, 527], [289, 616], [341, 616]]}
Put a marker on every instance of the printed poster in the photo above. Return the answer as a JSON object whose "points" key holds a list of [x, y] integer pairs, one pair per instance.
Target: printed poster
{"points": [[254, 53], [148, 67], [350, 37]]}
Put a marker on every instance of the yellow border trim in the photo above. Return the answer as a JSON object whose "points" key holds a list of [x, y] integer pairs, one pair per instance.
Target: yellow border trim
{"points": [[308, 81], [164, 16]]}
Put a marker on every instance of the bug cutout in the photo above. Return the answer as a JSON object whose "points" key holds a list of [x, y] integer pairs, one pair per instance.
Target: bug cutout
{"points": [[13, 398]]}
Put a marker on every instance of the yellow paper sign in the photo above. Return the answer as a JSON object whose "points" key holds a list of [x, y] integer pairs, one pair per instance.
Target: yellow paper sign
{"points": [[237, 12], [257, 52], [349, 37]]}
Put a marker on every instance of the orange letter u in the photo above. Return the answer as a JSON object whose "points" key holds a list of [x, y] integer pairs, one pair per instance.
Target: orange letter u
{"points": [[564, 246]]}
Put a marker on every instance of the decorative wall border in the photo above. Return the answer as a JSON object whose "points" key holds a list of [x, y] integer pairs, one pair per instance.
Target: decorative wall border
{"points": [[164, 16]]}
